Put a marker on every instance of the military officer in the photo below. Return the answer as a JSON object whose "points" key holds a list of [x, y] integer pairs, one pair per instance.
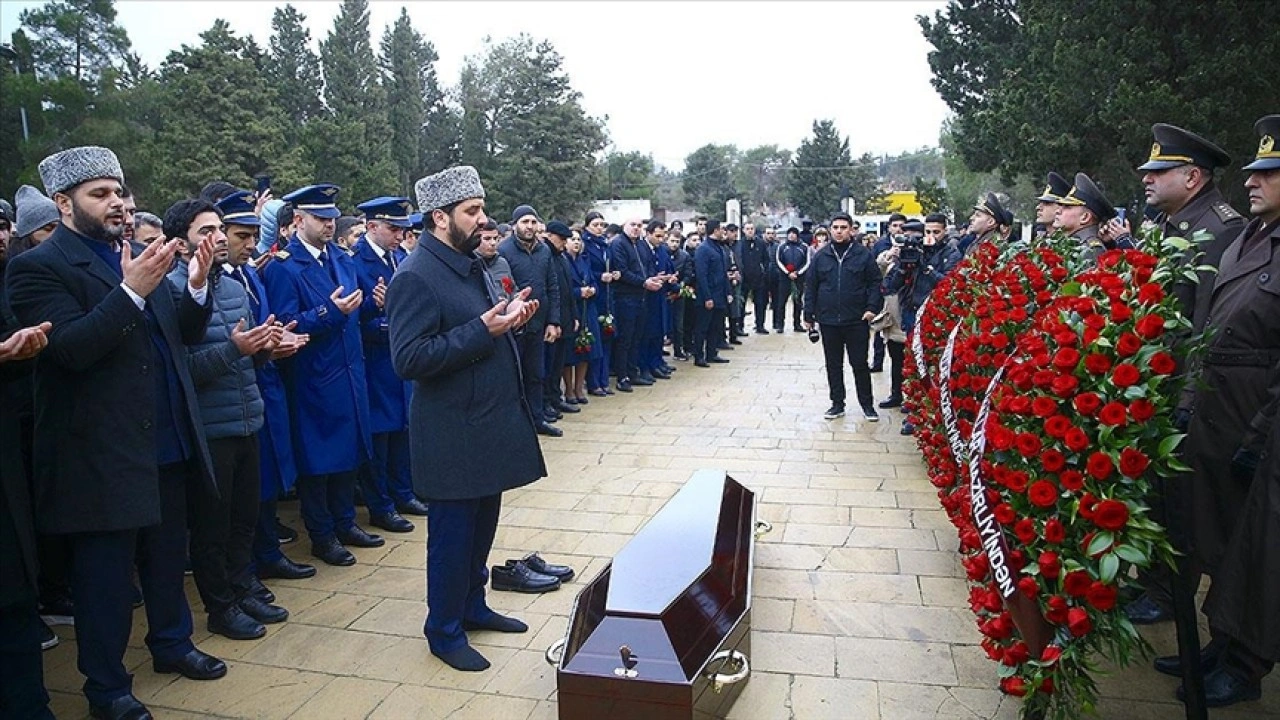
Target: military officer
{"points": [[990, 221], [1178, 180], [1047, 204], [386, 482], [1081, 212], [1236, 519], [316, 287]]}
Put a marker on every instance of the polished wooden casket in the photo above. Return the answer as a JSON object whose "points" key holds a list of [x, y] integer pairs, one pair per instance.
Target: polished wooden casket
{"points": [[664, 632]]}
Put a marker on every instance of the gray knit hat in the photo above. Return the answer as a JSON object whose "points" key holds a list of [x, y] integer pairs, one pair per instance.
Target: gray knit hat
{"points": [[34, 211], [64, 170], [447, 187]]}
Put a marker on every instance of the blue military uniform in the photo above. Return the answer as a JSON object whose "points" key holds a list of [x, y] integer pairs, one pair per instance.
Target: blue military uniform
{"points": [[386, 482], [325, 382]]}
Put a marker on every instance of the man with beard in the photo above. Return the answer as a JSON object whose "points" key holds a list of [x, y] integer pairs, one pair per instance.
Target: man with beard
{"points": [[130, 208], [325, 381], [222, 368], [712, 298], [628, 304], [1047, 204], [842, 294], [1081, 212], [386, 481], [472, 433], [793, 262], [533, 267], [769, 264], [1178, 180], [118, 440]]}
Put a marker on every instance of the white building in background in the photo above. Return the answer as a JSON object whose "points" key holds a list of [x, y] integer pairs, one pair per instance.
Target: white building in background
{"points": [[620, 211]]}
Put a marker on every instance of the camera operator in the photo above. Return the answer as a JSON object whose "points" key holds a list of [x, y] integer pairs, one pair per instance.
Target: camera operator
{"points": [[918, 260], [842, 293]]}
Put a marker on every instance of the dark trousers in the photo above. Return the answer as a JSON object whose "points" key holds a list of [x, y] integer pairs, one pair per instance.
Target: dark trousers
{"points": [[628, 316], [54, 552], [386, 479], [459, 537], [531, 365], [22, 693], [878, 347], [555, 355], [677, 326], [102, 590], [708, 332], [327, 503], [837, 341], [690, 322], [760, 301], [222, 526], [897, 352], [266, 541], [788, 289], [1243, 662]]}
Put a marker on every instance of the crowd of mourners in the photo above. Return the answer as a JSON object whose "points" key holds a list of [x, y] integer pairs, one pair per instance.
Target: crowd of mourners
{"points": [[170, 378]]}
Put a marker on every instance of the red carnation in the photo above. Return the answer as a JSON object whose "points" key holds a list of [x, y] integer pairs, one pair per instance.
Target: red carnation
{"points": [[1015, 481], [1087, 403], [1052, 460], [1097, 363], [1064, 385], [1120, 312], [1162, 363], [1071, 480], [1029, 587], [1100, 466], [1078, 622], [1150, 294], [1049, 564], [1054, 532], [1076, 439], [1028, 444], [1150, 327], [1051, 653], [1043, 407], [1043, 493], [1077, 583], [791, 268], [1110, 514], [1013, 685], [1113, 413], [1047, 686], [1057, 612], [1101, 597], [1025, 529], [1125, 375], [1141, 410], [1066, 359], [1057, 426], [1133, 462], [1128, 344], [508, 286], [1004, 513]]}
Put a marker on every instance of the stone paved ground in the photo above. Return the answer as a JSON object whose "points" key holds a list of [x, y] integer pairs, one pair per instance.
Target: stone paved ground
{"points": [[860, 606]]}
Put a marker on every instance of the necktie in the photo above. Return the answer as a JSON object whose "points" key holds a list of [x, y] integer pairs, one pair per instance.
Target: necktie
{"points": [[391, 261], [328, 265], [248, 287]]}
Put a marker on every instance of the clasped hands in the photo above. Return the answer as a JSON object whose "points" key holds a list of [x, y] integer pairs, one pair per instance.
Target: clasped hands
{"points": [[509, 314]]}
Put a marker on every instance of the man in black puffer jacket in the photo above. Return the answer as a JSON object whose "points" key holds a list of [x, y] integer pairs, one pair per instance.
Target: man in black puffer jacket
{"points": [[842, 293]]}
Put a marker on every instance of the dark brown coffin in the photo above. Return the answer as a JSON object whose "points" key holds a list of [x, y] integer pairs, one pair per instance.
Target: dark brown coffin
{"points": [[678, 598]]}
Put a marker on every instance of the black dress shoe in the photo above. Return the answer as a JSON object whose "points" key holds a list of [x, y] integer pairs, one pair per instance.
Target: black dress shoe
{"points": [[1222, 687], [893, 402], [877, 368], [624, 386], [724, 346], [645, 380], [496, 623], [412, 506], [391, 522], [286, 569], [1145, 611], [535, 562], [797, 328], [285, 533], [355, 536], [518, 577], [233, 623], [265, 613], [1172, 664], [719, 360], [549, 417], [255, 588], [195, 665], [549, 431], [125, 707], [659, 374], [668, 369], [566, 407], [598, 392], [735, 341], [761, 331], [701, 363], [333, 553]]}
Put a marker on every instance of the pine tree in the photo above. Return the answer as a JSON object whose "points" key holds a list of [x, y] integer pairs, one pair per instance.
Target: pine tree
{"points": [[708, 178], [293, 69], [819, 171], [75, 38], [408, 66]]}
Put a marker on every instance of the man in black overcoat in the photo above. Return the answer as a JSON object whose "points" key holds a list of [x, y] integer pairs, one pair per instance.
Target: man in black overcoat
{"points": [[117, 430], [471, 430]]}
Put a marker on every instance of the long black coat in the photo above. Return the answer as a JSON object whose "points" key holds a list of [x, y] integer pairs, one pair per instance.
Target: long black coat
{"points": [[535, 269], [1237, 376], [18, 568], [1209, 212], [95, 396], [471, 433]]}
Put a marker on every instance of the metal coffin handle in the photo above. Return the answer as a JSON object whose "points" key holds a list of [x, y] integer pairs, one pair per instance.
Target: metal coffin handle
{"points": [[555, 653], [726, 657], [763, 527]]}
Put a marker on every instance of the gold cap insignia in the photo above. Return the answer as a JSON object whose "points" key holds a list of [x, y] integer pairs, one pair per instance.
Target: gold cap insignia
{"points": [[1155, 150], [1267, 145], [330, 191]]}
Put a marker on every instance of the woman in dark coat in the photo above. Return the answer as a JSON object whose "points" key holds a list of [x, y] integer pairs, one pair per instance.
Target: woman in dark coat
{"points": [[586, 289]]}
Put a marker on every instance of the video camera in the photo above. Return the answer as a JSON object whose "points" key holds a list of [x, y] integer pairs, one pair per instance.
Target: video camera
{"points": [[910, 249]]}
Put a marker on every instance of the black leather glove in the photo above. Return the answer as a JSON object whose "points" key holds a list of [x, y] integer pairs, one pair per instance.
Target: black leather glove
{"points": [[1182, 419], [1244, 464]]}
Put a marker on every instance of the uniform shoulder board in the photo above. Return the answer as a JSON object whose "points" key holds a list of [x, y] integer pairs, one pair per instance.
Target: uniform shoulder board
{"points": [[1225, 212], [280, 254]]}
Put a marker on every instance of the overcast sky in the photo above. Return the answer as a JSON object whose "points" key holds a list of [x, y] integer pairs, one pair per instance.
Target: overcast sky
{"points": [[746, 73]]}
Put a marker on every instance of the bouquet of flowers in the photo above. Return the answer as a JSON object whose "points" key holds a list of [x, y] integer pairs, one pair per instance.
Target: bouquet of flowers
{"points": [[585, 342], [606, 325], [687, 292]]}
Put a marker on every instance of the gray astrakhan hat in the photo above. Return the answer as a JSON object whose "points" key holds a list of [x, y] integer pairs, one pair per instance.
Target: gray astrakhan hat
{"points": [[64, 170], [447, 187]]}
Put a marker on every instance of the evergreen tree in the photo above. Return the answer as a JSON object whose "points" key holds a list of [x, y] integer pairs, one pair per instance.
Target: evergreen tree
{"points": [[822, 172], [762, 176], [75, 38], [624, 176], [293, 69], [409, 75], [708, 178]]}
